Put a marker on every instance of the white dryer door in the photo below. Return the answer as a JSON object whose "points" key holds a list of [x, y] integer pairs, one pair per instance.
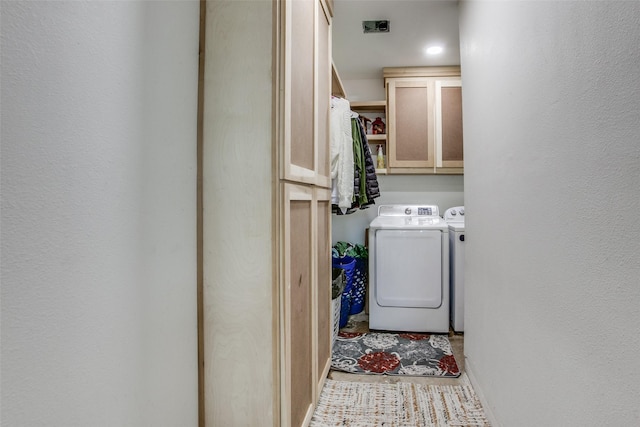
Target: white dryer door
{"points": [[408, 268]]}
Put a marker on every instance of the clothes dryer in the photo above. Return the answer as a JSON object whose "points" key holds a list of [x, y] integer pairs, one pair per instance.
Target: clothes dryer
{"points": [[409, 269], [455, 219]]}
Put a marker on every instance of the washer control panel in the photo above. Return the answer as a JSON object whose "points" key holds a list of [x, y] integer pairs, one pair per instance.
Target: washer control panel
{"points": [[409, 210], [454, 214], [425, 211]]}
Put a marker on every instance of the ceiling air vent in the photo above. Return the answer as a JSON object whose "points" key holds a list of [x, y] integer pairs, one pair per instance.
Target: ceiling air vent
{"points": [[375, 26]]}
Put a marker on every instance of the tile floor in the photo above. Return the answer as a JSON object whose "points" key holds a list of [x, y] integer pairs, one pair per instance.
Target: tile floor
{"points": [[360, 323]]}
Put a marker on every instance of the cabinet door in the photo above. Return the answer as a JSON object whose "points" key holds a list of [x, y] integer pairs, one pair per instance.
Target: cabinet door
{"points": [[323, 95], [306, 300], [410, 125], [448, 117], [307, 90], [299, 148], [324, 315], [303, 126], [297, 348]]}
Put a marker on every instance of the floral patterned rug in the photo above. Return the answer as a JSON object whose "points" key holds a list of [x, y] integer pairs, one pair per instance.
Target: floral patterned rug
{"points": [[394, 354]]}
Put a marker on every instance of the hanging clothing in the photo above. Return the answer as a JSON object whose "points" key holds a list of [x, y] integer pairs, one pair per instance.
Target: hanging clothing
{"points": [[360, 189], [342, 167], [372, 187], [365, 182]]}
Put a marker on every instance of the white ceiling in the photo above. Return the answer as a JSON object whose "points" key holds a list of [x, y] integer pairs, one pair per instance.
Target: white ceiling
{"points": [[413, 25]]}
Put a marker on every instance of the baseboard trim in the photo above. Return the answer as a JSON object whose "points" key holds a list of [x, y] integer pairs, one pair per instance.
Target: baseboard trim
{"points": [[469, 370]]}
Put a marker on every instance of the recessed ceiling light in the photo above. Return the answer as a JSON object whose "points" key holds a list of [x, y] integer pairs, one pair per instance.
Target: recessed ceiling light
{"points": [[434, 50]]}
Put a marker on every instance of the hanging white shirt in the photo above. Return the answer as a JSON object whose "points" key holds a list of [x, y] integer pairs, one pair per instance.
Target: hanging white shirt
{"points": [[341, 154]]}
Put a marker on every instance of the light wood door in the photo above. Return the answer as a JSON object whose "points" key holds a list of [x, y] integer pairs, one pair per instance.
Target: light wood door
{"points": [[410, 125], [306, 209], [324, 315], [307, 91], [306, 300], [322, 94], [297, 301], [448, 119], [299, 149]]}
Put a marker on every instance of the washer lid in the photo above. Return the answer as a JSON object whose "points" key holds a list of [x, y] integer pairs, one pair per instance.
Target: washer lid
{"points": [[456, 226]]}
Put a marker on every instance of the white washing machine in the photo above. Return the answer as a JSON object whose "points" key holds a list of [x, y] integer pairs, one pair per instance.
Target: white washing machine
{"points": [[455, 219], [409, 269]]}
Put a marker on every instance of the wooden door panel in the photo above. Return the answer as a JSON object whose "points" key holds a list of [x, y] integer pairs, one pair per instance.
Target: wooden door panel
{"points": [[323, 96], [301, 309], [410, 123], [448, 115], [302, 63], [297, 305], [412, 130], [452, 124], [323, 300]]}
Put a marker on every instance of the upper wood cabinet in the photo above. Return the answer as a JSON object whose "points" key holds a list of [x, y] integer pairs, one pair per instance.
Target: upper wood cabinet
{"points": [[448, 123], [410, 125], [307, 88], [424, 120]]}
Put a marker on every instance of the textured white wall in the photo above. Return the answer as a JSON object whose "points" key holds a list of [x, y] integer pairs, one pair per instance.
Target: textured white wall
{"points": [[552, 167], [98, 213]]}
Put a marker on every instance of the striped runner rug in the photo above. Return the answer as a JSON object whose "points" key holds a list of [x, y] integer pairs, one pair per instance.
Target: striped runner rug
{"points": [[403, 404]]}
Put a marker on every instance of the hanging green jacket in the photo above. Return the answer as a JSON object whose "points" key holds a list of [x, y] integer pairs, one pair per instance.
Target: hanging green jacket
{"points": [[359, 164]]}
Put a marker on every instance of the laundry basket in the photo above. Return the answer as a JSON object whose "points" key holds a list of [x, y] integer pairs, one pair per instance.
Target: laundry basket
{"points": [[359, 285], [337, 289], [347, 265], [335, 308], [355, 260]]}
